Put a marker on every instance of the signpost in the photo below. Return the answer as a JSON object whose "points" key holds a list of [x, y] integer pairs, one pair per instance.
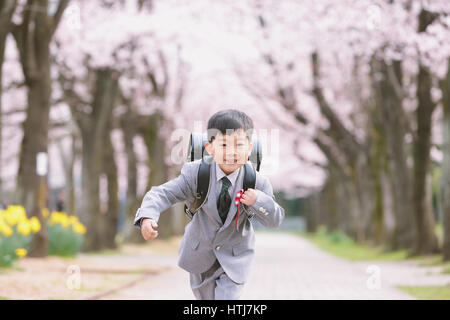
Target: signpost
{"points": [[41, 237]]}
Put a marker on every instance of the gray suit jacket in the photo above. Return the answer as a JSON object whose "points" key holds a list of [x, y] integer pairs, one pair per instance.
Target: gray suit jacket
{"points": [[206, 237]]}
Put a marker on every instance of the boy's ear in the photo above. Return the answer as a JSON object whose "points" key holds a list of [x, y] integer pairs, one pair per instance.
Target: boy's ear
{"points": [[250, 148], [209, 148]]}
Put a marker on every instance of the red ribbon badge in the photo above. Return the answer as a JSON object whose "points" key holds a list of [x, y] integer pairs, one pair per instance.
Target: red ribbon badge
{"points": [[237, 200]]}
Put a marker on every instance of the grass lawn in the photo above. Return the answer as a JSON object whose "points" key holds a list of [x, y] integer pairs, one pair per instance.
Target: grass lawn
{"points": [[428, 292], [434, 260], [339, 244]]}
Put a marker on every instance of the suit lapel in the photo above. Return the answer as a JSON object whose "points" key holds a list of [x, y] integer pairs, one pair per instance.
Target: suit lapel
{"points": [[211, 206]]}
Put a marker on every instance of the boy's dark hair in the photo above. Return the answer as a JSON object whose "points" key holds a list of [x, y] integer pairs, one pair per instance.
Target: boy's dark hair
{"points": [[230, 119]]}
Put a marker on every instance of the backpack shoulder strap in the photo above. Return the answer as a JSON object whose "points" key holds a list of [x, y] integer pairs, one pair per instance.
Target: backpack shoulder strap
{"points": [[203, 179], [249, 177], [249, 182]]}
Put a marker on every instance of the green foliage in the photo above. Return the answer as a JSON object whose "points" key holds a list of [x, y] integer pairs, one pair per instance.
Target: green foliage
{"points": [[428, 292], [343, 246], [339, 237], [63, 241], [8, 246], [65, 233]]}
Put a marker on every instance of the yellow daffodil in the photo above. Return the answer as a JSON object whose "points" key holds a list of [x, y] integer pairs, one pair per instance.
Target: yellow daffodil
{"points": [[73, 219], [6, 230], [60, 218], [24, 228], [35, 224], [56, 217], [79, 228], [21, 252], [15, 214], [65, 222], [11, 218]]}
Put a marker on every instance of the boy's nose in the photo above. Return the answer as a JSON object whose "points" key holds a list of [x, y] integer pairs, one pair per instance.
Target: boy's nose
{"points": [[231, 151]]}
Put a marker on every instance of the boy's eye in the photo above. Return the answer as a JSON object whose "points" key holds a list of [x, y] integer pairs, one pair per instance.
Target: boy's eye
{"points": [[239, 144]]}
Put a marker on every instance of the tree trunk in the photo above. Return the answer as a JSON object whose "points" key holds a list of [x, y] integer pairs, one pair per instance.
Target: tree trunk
{"points": [[33, 38], [312, 209], [354, 154], [384, 218], [389, 217], [365, 191], [70, 184], [393, 122], [94, 128], [445, 175], [426, 241], [128, 125], [332, 199], [158, 168], [35, 140], [346, 204], [110, 217], [377, 230], [68, 165], [350, 207], [90, 201]]}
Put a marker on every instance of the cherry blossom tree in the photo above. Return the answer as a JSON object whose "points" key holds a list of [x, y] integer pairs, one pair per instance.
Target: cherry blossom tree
{"points": [[34, 25], [361, 87], [355, 90], [120, 82]]}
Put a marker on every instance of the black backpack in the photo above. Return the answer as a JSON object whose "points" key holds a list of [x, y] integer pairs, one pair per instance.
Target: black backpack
{"points": [[197, 151]]}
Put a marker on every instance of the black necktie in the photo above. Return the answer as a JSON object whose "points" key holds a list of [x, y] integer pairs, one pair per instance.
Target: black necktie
{"points": [[224, 200]]}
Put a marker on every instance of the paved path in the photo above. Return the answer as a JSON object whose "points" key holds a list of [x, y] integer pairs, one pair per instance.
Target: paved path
{"points": [[289, 267]]}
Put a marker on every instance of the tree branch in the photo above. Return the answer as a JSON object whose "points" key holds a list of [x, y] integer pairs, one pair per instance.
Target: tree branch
{"points": [[58, 15], [340, 132]]}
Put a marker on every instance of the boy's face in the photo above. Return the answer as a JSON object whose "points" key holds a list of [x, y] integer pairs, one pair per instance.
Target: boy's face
{"points": [[230, 151]]}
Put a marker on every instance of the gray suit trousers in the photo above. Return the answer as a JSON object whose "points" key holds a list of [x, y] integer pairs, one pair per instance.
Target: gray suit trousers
{"points": [[214, 284]]}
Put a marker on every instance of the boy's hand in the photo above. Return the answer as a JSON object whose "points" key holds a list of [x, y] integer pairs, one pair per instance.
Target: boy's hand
{"points": [[249, 197], [147, 230]]}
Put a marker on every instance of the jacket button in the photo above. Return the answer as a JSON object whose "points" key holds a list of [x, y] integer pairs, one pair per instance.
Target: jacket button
{"points": [[218, 247], [266, 213], [261, 209]]}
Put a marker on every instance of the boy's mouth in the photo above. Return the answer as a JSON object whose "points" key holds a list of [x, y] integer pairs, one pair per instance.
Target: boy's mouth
{"points": [[235, 161]]}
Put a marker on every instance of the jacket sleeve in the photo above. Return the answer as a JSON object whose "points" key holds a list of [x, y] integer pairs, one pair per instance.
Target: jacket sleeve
{"points": [[266, 210], [162, 197]]}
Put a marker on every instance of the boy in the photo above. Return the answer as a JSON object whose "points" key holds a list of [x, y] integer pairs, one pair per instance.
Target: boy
{"points": [[217, 257]]}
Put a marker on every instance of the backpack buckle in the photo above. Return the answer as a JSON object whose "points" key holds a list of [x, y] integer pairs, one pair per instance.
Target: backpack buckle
{"points": [[188, 212]]}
